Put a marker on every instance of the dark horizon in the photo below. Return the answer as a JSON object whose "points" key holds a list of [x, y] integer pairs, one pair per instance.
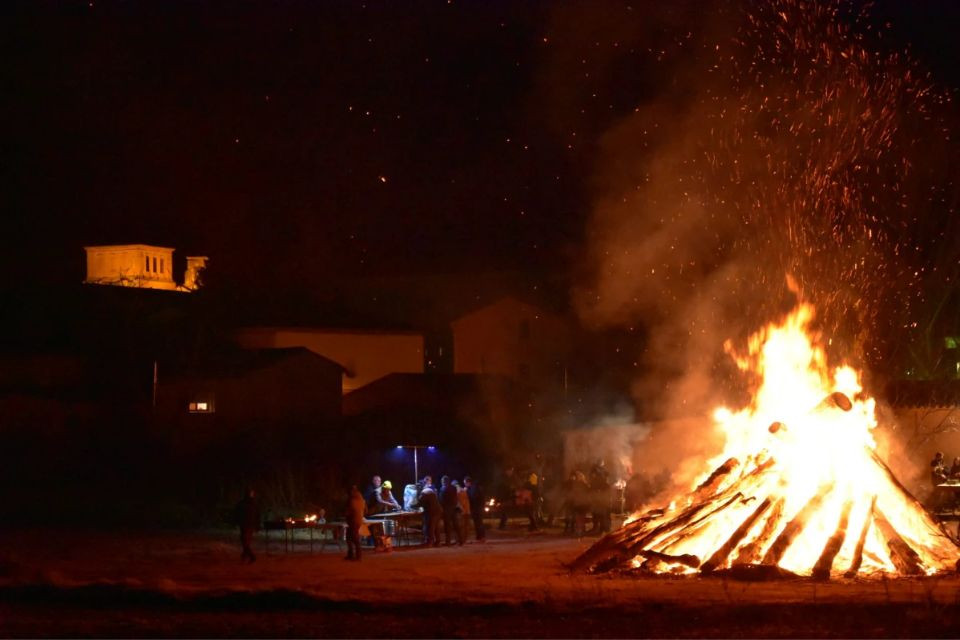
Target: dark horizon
{"points": [[304, 143]]}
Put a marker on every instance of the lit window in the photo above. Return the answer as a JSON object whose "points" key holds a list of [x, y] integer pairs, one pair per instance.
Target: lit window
{"points": [[200, 406]]}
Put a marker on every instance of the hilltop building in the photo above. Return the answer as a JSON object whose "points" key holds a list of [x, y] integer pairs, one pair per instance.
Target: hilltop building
{"points": [[141, 266]]}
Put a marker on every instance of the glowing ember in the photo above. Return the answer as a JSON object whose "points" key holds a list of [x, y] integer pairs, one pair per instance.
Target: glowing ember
{"points": [[798, 486]]}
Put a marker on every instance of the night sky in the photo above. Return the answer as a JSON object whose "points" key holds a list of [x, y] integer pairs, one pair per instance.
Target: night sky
{"points": [[304, 141]]}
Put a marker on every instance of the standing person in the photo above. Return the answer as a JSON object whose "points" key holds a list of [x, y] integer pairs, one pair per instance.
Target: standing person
{"points": [[531, 501], [356, 507], [507, 494], [938, 469], [372, 495], [247, 515], [451, 516], [463, 502], [386, 499], [476, 500], [579, 502], [432, 512]]}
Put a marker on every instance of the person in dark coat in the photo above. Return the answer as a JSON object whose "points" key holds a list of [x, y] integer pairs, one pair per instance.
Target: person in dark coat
{"points": [[356, 507], [432, 513], [247, 516], [938, 469], [372, 495], [451, 511], [507, 494], [477, 505]]}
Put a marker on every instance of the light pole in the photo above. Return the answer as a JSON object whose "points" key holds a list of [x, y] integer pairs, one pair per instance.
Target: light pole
{"points": [[416, 463]]}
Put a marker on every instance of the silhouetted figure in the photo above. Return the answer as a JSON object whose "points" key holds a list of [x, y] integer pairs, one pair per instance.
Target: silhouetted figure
{"points": [[247, 516], [450, 504], [635, 493], [432, 513], [477, 501], [507, 494], [529, 498], [938, 476], [356, 507], [372, 496]]}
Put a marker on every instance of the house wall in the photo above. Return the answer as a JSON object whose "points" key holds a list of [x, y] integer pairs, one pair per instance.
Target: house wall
{"points": [[296, 391], [512, 339], [367, 356]]}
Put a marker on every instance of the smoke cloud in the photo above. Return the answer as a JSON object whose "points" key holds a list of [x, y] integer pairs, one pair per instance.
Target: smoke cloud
{"points": [[768, 143]]}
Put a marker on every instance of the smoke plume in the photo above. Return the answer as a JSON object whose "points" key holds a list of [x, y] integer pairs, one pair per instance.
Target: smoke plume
{"points": [[779, 152]]}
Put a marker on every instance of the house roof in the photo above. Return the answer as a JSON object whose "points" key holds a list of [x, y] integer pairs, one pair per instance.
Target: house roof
{"points": [[336, 330], [424, 389], [237, 362], [503, 301], [924, 393]]}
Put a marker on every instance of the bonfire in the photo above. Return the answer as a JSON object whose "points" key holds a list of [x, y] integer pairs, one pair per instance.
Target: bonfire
{"points": [[799, 488]]}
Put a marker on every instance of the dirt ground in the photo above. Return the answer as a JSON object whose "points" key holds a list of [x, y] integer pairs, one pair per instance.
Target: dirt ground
{"points": [[57, 583]]}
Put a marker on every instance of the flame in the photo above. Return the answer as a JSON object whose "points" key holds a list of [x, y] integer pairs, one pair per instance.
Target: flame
{"points": [[799, 476]]}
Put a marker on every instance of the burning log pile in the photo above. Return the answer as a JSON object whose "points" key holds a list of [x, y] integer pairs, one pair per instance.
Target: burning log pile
{"points": [[800, 489]]}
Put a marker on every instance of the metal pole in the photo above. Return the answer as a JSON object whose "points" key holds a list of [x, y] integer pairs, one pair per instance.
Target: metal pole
{"points": [[416, 469]]}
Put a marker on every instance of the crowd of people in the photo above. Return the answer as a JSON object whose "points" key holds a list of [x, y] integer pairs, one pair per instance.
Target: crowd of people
{"points": [[448, 512], [452, 508], [940, 474]]}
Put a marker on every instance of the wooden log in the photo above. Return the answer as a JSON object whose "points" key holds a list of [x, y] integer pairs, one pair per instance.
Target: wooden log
{"points": [[909, 497], [750, 553], [795, 527], [836, 400], [617, 547], [821, 570], [623, 545], [680, 528], [715, 479], [858, 550], [686, 559], [719, 556], [905, 559]]}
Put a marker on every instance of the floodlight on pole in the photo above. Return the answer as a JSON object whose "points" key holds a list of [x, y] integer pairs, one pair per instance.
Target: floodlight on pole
{"points": [[416, 462]]}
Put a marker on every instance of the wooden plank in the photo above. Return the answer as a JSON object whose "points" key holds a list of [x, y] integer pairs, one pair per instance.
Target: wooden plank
{"points": [[719, 556], [821, 571], [905, 559], [750, 553], [795, 527], [858, 550]]}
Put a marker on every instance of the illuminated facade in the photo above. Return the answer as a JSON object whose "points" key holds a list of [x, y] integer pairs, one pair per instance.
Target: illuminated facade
{"points": [[140, 265], [514, 339]]}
